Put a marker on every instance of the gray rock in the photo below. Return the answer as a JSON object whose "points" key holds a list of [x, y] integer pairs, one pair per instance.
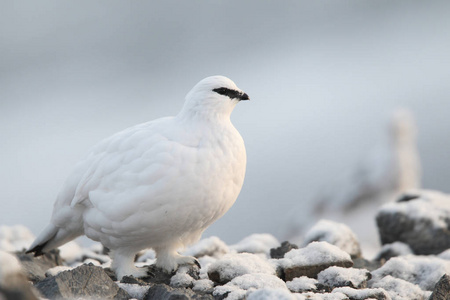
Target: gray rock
{"points": [[362, 294], [165, 292], [157, 275], [86, 281], [362, 263], [422, 222], [442, 289], [282, 250], [35, 267]]}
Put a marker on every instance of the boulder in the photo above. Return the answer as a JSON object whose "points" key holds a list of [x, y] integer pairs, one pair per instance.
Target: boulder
{"points": [[422, 222], [86, 281]]}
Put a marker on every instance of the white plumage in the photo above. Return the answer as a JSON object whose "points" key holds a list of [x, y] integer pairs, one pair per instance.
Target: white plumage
{"points": [[159, 184]]}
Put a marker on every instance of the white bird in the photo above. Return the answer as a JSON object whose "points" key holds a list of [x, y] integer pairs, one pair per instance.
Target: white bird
{"points": [[155, 185]]}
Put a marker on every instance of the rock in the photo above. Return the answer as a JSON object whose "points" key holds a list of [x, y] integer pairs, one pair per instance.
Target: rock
{"points": [[86, 281], [165, 292], [313, 259], [339, 277], [239, 286], [363, 294], [442, 289], [393, 250], [233, 265], [423, 222], [362, 263], [399, 289], [302, 284], [424, 271], [282, 250], [180, 278], [35, 267], [337, 234]]}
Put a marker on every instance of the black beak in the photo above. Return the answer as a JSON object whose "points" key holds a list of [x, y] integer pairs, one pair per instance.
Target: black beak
{"points": [[244, 96]]}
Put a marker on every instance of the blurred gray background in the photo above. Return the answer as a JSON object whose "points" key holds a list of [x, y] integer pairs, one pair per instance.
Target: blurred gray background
{"points": [[323, 77]]}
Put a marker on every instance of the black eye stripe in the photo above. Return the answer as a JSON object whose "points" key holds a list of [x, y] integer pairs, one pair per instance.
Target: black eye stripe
{"points": [[233, 94]]}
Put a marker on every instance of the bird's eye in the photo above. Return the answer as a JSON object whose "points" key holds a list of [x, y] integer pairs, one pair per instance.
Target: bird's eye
{"points": [[233, 94]]}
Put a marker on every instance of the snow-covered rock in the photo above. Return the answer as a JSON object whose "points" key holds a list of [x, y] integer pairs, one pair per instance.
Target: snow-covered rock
{"points": [[392, 250], [271, 294], [399, 289], [363, 294], [312, 259], [256, 243], [321, 296], [249, 282], [211, 246], [302, 284], [420, 219], [424, 271], [339, 277], [182, 278], [337, 234], [280, 251], [236, 264]]}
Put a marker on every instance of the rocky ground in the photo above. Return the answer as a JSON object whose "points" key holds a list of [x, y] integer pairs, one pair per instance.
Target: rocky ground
{"points": [[414, 263]]}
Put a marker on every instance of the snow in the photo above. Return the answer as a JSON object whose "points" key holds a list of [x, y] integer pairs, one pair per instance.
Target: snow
{"points": [[432, 205], [400, 289], [337, 234], [302, 284], [257, 243], [337, 276], [324, 296], [134, 290], [71, 252], [313, 254], [203, 285], [271, 294], [236, 264], [424, 271], [205, 262], [181, 278], [9, 265], [56, 270], [249, 282], [15, 238], [212, 246], [363, 293]]}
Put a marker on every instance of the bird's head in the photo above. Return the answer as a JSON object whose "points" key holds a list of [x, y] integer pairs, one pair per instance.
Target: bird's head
{"points": [[213, 96]]}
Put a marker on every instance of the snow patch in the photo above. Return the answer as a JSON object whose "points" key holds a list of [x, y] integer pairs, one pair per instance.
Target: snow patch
{"points": [[56, 270], [257, 243], [313, 254], [302, 284], [400, 289], [134, 290], [9, 265], [15, 238]]}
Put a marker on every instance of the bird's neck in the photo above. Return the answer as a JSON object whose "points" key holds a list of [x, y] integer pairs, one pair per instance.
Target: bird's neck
{"points": [[203, 116]]}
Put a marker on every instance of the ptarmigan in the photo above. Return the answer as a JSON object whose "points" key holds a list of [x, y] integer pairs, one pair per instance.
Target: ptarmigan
{"points": [[156, 185]]}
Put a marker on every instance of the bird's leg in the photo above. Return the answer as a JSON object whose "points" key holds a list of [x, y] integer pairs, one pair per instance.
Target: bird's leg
{"points": [[123, 265], [170, 260]]}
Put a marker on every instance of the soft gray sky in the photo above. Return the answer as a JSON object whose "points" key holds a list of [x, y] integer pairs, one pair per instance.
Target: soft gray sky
{"points": [[323, 78]]}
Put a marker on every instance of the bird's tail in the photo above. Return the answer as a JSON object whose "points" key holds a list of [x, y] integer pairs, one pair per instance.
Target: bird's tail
{"points": [[51, 238]]}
